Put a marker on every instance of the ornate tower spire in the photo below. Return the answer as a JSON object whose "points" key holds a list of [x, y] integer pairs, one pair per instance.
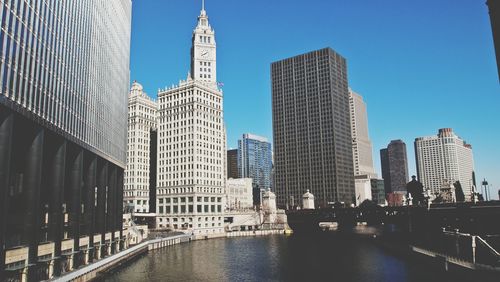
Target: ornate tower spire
{"points": [[203, 51]]}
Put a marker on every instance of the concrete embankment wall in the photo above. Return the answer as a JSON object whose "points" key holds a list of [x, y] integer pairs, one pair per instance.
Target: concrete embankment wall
{"points": [[91, 271], [253, 233]]}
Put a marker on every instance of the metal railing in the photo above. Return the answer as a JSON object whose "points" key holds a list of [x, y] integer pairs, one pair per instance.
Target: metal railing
{"points": [[463, 246]]}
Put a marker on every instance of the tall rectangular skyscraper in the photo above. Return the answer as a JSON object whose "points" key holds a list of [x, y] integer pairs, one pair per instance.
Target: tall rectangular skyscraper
{"points": [[64, 78], [190, 191], [361, 144], [232, 164], [444, 159], [312, 129], [255, 160], [394, 162], [142, 116]]}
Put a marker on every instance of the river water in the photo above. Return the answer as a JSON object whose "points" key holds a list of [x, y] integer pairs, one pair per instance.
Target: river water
{"points": [[323, 257]]}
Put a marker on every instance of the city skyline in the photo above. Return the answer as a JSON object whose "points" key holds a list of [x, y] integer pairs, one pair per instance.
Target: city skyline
{"points": [[451, 81], [99, 179]]}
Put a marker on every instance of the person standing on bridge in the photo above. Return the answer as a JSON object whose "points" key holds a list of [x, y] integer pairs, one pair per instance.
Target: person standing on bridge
{"points": [[416, 189]]}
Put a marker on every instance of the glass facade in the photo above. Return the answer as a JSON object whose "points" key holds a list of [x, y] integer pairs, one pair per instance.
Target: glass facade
{"points": [[64, 78], [255, 160], [66, 64]]}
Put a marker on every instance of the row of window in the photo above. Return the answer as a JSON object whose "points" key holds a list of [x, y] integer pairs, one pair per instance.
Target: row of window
{"points": [[189, 209]]}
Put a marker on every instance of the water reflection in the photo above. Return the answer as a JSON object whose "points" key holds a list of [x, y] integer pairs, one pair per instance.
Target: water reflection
{"points": [[325, 257]]}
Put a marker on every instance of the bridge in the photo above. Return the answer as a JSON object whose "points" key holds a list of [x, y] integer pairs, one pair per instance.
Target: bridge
{"points": [[482, 218], [461, 232]]}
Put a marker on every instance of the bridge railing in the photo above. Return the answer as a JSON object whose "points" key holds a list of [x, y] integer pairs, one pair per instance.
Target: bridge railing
{"points": [[463, 246]]}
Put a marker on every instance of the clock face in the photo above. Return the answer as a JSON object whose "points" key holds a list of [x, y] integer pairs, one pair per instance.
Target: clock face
{"points": [[204, 53]]}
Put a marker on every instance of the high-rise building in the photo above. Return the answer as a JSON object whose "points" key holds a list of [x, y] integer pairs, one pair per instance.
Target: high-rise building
{"points": [[312, 129], [255, 161], [494, 7], [142, 111], [361, 144], [444, 158], [64, 77], [394, 166], [232, 163], [192, 144]]}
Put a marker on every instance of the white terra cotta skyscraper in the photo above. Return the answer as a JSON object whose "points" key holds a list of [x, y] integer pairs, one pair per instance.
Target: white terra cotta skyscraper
{"points": [[444, 158], [192, 144], [142, 112]]}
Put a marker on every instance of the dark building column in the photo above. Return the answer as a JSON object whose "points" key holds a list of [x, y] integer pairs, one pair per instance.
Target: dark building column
{"points": [[75, 188], [153, 149], [90, 178], [6, 132], [111, 200], [33, 179], [119, 206], [57, 177], [102, 186]]}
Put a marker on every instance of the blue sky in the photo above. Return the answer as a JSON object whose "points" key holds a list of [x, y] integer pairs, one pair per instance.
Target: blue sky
{"points": [[420, 65]]}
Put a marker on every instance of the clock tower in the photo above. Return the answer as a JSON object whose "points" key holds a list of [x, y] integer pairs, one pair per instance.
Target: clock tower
{"points": [[203, 51]]}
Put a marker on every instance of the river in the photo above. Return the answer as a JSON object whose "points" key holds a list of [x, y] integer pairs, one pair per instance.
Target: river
{"points": [[323, 257]]}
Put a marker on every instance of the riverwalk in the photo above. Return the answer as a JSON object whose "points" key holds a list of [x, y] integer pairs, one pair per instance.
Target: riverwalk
{"points": [[91, 271]]}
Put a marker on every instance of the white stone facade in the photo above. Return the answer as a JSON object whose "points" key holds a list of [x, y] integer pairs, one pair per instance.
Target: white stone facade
{"points": [[239, 194], [308, 201], [442, 158], [142, 112], [269, 202], [361, 144], [191, 145], [363, 186], [203, 52]]}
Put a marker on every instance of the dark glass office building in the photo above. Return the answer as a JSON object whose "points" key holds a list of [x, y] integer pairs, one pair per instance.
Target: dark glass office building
{"points": [[394, 163], [312, 129], [232, 163], [255, 160], [64, 77]]}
